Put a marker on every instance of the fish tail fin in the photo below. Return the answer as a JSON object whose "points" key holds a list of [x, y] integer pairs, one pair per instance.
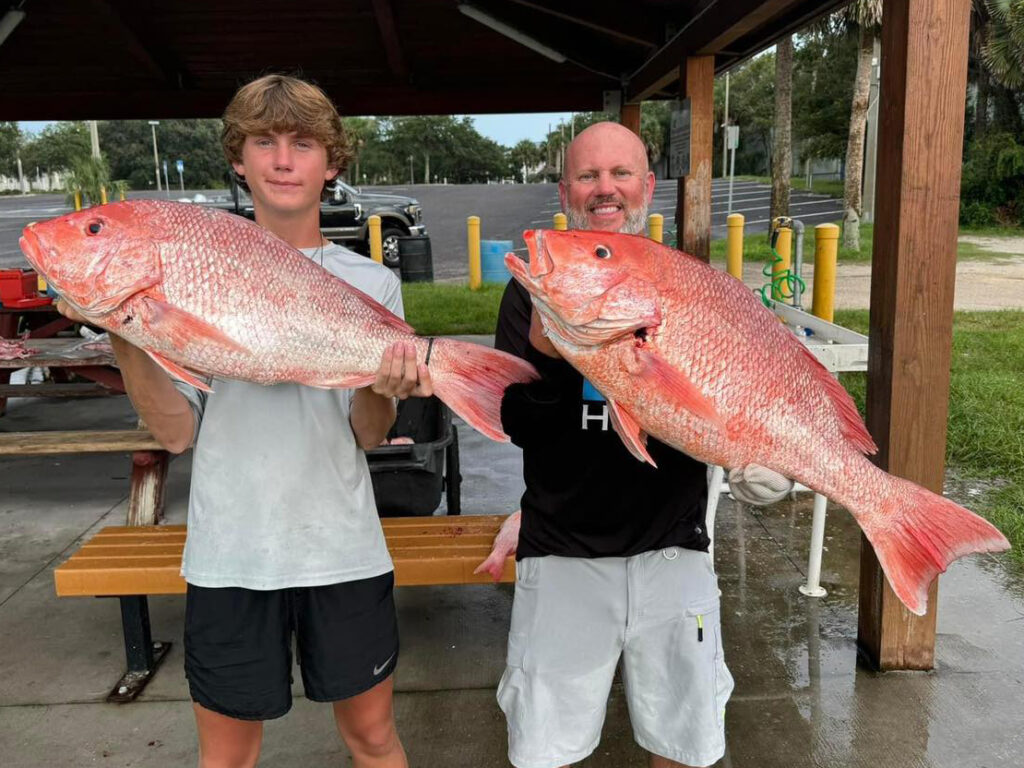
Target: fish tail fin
{"points": [[917, 534], [471, 380]]}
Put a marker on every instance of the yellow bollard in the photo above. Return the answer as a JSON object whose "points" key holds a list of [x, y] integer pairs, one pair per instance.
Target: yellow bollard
{"points": [[376, 249], [781, 267], [78, 200], [103, 195], [826, 252], [656, 227], [734, 245], [561, 222], [120, 195], [473, 244]]}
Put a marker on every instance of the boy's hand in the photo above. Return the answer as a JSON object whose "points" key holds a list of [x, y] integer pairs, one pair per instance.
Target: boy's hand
{"points": [[400, 375]]}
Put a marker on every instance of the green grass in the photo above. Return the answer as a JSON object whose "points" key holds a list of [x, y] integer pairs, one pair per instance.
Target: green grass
{"points": [[442, 309], [992, 231], [985, 433]]}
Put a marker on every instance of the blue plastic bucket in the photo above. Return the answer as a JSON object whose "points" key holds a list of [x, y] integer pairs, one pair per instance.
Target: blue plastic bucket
{"points": [[492, 261]]}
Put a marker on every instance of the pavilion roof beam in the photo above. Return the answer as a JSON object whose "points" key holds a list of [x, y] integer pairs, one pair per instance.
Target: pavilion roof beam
{"points": [[797, 19], [385, 16], [164, 65], [539, 41], [611, 27], [702, 34]]}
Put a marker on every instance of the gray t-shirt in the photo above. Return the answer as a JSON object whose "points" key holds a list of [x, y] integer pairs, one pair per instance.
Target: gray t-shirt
{"points": [[281, 493]]}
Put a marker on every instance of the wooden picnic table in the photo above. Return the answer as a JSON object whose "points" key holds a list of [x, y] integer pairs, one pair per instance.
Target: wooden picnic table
{"points": [[96, 363]]}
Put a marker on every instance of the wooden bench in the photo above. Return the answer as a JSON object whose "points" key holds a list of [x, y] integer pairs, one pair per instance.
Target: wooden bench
{"points": [[149, 461], [132, 562]]}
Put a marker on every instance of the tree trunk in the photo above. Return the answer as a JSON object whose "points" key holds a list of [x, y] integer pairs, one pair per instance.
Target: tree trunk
{"points": [[855, 142], [983, 84], [782, 155], [1006, 115], [426, 169]]}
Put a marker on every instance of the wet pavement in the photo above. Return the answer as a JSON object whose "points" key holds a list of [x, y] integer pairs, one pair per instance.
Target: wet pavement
{"points": [[801, 699]]}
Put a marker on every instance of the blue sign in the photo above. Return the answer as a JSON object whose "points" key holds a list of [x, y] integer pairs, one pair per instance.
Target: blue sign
{"points": [[181, 166]]}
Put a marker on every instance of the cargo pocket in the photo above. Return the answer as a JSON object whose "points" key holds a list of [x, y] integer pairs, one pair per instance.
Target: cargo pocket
{"points": [[705, 619], [524, 610]]}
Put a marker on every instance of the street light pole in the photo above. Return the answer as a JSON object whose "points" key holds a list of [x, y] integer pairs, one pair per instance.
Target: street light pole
{"points": [[725, 128], [156, 159], [94, 139]]}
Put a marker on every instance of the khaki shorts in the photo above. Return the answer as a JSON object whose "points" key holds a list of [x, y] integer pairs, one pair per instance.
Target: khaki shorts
{"points": [[572, 620]]}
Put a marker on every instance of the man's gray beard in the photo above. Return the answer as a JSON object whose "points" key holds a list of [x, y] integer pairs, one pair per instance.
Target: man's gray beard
{"points": [[635, 223]]}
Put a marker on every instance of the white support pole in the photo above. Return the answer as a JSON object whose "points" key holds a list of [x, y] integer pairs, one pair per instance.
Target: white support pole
{"points": [[813, 588], [715, 477]]}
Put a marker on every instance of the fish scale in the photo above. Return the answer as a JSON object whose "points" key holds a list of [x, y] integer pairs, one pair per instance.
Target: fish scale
{"points": [[206, 292]]}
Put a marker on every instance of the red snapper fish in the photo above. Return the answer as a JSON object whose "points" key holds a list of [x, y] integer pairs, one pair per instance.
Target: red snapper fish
{"points": [[687, 354], [206, 292]]}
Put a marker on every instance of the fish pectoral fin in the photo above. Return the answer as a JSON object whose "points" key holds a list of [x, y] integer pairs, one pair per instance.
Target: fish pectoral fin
{"points": [[175, 370], [657, 372], [634, 438], [181, 327]]}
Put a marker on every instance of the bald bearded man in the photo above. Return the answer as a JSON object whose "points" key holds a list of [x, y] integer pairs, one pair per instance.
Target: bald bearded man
{"points": [[612, 554]]}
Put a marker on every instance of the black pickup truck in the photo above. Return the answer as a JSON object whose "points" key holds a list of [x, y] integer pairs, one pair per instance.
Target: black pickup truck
{"points": [[343, 218]]}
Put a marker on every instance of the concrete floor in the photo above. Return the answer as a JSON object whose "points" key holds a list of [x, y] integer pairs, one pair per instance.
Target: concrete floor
{"points": [[800, 698]]}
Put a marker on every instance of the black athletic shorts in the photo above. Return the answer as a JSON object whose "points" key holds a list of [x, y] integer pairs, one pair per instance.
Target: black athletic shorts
{"points": [[238, 644]]}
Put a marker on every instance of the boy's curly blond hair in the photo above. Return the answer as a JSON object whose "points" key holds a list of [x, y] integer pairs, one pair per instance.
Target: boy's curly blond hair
{"points": [[284, 104]]}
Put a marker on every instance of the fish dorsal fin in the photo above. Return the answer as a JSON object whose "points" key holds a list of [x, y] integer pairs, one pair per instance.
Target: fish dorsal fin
{"points": [[851, 425], [657, 372], [178, 372], [180, 327], [634, 438], [384, 315]]}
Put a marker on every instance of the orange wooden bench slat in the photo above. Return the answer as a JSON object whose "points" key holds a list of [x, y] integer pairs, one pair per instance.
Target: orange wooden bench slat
{"points": [[146, 560], [82, 441]]}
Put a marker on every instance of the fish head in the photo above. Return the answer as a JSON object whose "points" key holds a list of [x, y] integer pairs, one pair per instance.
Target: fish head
{"points": [[590, 288], [98, 258]]}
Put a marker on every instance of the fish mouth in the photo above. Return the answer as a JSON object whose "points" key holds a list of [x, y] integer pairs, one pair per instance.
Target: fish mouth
{"points": [[31, 247], [584, 325]]}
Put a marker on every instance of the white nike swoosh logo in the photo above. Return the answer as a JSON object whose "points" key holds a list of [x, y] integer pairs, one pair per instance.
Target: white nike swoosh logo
{"points": [[382, 667]]}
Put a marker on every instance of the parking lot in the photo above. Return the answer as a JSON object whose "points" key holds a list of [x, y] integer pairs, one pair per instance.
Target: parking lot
{"points": [[505, 211]]}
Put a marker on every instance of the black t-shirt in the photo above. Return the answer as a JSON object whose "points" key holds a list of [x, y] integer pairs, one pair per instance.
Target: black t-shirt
{"points": [[586, 495]]}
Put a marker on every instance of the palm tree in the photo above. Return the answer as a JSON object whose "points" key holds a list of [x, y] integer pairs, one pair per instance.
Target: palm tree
{"points": [[782, 153], [867, 15], [1004, 49]]}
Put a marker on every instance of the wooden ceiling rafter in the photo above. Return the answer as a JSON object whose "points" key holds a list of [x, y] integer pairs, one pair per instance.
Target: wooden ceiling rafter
{"points": [[571, 13], [143, 44], [384, 14]]}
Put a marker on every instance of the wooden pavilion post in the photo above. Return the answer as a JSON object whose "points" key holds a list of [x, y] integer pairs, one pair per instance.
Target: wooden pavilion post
{"points": [[629, 116], [693, 201], [924, 77]]}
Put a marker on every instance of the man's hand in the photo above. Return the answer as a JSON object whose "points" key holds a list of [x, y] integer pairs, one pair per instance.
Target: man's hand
{"points": [[757, 485], [539, 341], [70, 312], [399, 375]]}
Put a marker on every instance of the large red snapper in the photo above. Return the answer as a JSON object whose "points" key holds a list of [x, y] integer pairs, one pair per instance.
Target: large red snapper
{"points": [[205, 291], [685, 353]]}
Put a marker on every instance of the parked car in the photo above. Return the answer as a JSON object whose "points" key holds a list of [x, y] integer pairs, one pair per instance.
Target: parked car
{"points": [[343, 218]]}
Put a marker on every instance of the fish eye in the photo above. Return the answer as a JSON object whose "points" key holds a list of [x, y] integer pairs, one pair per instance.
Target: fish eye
{"points": [[603, 252], [95, 226]]}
